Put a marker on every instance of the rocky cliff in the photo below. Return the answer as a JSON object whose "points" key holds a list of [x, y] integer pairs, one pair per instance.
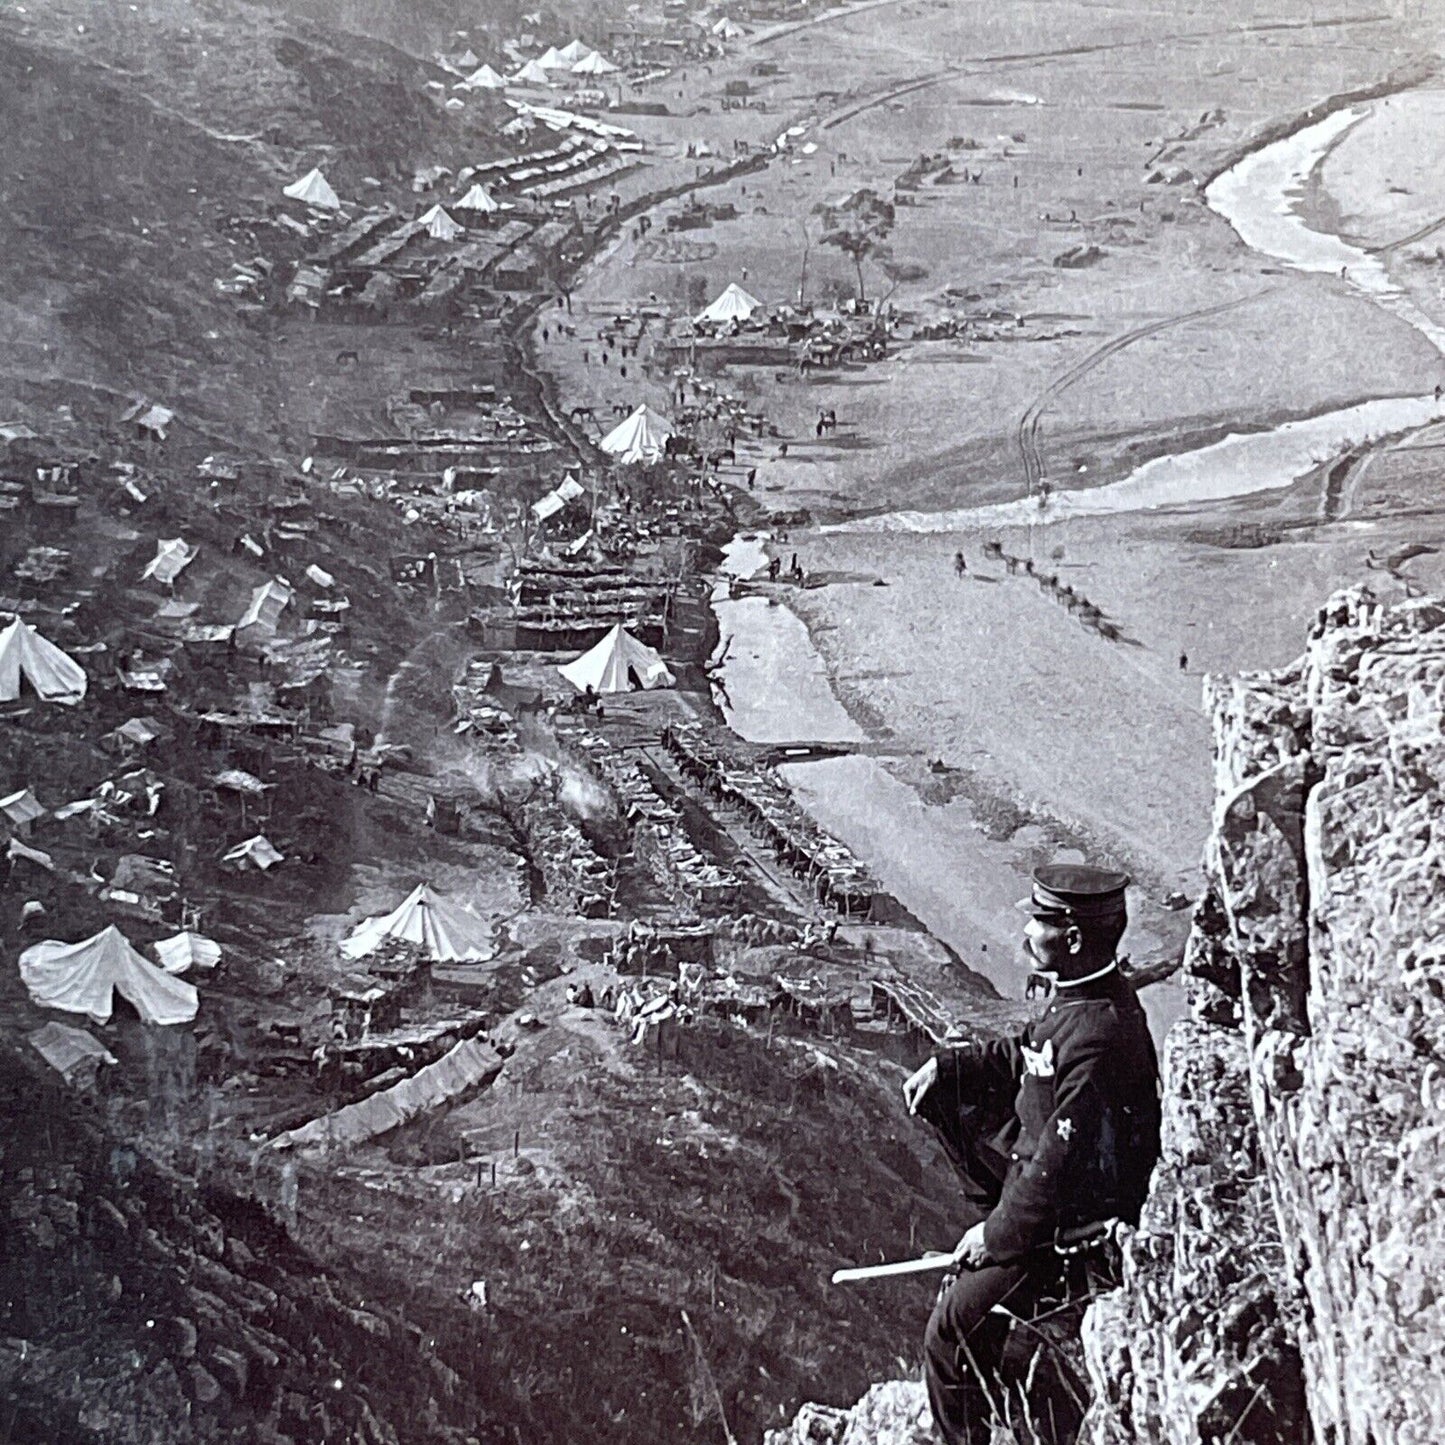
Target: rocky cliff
{"points": [[1282, 1286]]}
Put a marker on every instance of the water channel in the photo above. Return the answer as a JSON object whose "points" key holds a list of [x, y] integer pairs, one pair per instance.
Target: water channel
{"points": [[937, 860]]}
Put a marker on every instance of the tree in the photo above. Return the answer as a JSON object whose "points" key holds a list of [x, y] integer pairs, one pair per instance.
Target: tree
{"points": [[870, 218]]}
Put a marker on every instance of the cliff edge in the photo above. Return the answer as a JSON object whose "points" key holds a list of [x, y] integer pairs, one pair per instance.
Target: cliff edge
{"points": [[1282, 1285]]}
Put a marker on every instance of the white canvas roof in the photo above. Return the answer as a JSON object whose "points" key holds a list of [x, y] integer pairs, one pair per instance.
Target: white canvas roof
{"points": [[315, 190], [25, 656], [256, 852], [187, 950], [68, 1051], [457, 1072], [619, 663], [485, 78], [727, 29], [440, 226], [22, 807], [533, 73], [553, 59], [173, 556], [84, 978], [447, 932], [268, 602], [574, 51], [478, 199], [594, 64], [466, 59], [568, 491], [641, 438], [734, 304]]}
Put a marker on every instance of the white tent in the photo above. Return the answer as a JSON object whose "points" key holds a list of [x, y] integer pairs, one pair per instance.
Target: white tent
{"points": [[641, 438], [574, 51], [478, 199], [619, 663], [568, 491], [485, 79], [467, 59], [257, 852], [533, 73], [21, 808], [727, 29], [440, 226], [25, 656], [187, 950], [594, 64], [72, 1053], [83, 978], [446, 932], [315, 190], [268, 602], [733, 305], [553, 59], [173, 556]]}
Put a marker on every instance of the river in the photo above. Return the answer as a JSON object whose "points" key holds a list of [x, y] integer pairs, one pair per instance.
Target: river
{"points": [[936, 860]]}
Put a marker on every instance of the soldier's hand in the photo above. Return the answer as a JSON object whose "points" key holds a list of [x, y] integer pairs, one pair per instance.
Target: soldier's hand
{"points": [[917, 1084], [971, 1252]]}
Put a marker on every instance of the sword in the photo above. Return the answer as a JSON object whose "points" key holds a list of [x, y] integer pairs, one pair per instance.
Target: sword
{"points": [[932, 1260]]}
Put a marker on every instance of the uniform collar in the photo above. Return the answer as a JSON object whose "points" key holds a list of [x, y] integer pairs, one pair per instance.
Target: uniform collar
{"points": [[1073, 983]]}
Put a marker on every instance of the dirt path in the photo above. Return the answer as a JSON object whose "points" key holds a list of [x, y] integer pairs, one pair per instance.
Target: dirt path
{"points": [[1028, 428]]}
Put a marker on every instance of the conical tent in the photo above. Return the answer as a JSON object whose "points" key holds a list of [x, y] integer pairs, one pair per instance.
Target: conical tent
{"points": [[553, 59], [594, 64], [25, 656], [641, 438], [733, 305], [440, 226], [466, 60], [533, 73], [446, 932], [574, 51], [619, 663], [479, 199], [485, 79], [315, 190], [83, 978]]}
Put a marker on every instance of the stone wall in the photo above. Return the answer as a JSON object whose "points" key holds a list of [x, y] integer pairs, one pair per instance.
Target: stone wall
{"points": [[1282, 1285]]}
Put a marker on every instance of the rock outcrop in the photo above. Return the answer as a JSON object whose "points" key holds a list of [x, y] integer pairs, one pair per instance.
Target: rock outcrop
{"points": [[1283, 1286]]}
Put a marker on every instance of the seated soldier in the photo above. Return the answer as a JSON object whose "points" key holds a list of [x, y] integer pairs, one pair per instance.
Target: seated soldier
{"points": [[1051, 1131]]}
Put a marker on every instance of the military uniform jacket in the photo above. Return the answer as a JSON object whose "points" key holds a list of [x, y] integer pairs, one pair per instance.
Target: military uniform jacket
{"points": [[1083, 1138]]}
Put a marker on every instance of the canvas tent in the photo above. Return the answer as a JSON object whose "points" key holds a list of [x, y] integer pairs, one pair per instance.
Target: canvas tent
{"points": [[480, 200], [619, 663], [446, 932], [268, 602], [553, 59], [594, 64], [727, 29], [172, 558], [25, 656], [315, 190], [21, 809], [574, 51], [484, 79], [459, 1071], [256, 852], [532, 73], [467, 59], [185, 951], [567, 491], [440, 226], [734, 304], [84, 977], [72, 1053], [641, 438]]}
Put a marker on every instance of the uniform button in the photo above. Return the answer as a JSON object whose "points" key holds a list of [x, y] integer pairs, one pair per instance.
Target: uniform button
{"points": [[1014, 1157]]}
